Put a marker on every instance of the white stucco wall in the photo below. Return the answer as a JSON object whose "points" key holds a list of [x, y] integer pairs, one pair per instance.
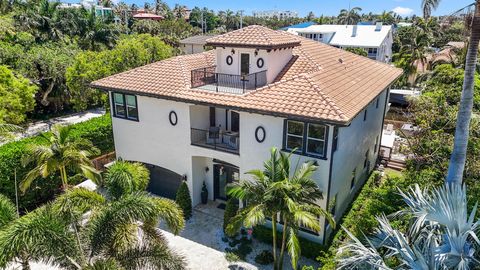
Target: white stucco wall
{"points": [[274, 61], [353, 143], [154, 140]]}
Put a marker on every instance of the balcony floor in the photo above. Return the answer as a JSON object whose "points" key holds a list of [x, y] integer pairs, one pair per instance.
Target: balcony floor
{"points": [[218, 146], [223, 89]]}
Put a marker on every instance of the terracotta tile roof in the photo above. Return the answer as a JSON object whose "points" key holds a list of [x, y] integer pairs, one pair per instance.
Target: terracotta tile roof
{"points": [[320, 82], [255, 36]]}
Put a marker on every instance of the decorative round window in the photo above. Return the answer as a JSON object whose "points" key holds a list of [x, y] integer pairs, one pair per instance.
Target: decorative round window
{"points": [[260, 134], [260, 62], [173, 118], [229, 60]]}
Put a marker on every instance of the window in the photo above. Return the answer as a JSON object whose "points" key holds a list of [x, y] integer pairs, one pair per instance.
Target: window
{"points": [[365, 115], [354, 176], [378, 102], [376, 144], [307, 138], [372, 51], [335, 139], [294, 135], [316, 139], [125, 106], [366, 162]]}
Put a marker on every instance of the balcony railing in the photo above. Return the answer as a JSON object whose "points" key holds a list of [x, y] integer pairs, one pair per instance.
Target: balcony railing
{"points": [[208, 79], [216, 139]]}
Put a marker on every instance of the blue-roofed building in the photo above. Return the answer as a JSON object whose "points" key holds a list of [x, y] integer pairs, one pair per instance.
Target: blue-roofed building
{"points": [[300, 25]]}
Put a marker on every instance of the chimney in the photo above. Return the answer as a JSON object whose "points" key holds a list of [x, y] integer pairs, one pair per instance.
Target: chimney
{"points": [[354, 30], [378, 26]]}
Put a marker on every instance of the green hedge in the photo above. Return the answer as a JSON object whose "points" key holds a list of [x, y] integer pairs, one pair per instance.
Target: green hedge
{"points": [[378, 195], [98, 130], [309, 248]]}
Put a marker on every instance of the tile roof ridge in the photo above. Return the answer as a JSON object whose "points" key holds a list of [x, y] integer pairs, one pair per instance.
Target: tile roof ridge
{"points": [[183, 70], [317, 89]]}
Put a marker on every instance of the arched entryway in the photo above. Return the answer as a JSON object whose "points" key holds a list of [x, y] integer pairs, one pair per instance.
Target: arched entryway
{"points": [[163, 182]]}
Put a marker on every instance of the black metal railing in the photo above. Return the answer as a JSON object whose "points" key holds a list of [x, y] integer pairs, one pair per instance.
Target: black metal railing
{"points": [[216, 139], [220, 82]]}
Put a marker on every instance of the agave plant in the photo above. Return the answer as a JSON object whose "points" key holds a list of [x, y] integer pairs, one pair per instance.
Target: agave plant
{"points": [[443, 235]]}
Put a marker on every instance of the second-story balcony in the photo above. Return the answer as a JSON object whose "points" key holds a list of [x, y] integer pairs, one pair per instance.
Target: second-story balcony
{"points": [[208, 79]]}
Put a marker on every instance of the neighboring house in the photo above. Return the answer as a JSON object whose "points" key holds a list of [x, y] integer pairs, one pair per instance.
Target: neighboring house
{"points": [[142, 14], [300, 25], [211, 117], [376, 39], [270, 14], [89, 4], [194, 44]]}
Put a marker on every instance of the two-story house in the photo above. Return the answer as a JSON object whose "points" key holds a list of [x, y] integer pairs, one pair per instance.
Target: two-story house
{"points": [[376, 40], [212, 116]]}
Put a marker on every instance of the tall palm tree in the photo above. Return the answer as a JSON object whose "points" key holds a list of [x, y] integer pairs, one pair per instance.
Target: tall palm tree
{"points": [[459, 154], [350, 16], [96, 31], [443, 235], [275, 194], [42, 19], [62, 154]]}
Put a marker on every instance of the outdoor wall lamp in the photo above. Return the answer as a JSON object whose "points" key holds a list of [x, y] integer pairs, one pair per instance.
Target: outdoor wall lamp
{"points": [[184, 177], [256, 52], [233, 51], [207, 169]]}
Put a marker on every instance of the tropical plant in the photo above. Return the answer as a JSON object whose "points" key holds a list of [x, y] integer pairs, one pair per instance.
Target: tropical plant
{"points": [[277, 194], [41, 19], [62, 154], [459, 154], [359, 51], [350, 16], [82, 229], [443, 235], [184, 200], [125, 177], [231, 210]]}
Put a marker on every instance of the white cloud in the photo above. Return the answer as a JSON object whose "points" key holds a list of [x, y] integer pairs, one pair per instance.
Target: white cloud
{"points": [[403, 11]]}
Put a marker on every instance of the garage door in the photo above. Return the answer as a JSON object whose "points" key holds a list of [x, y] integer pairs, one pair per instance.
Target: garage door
{"points": [[163, 182]]}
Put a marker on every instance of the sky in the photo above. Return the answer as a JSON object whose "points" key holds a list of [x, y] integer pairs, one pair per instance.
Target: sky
{"points": [[319, 7]]}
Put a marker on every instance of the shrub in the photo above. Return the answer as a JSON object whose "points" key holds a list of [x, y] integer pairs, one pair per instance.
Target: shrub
{"points": [[125, 177], [98, 130], [265, 257], [232, 257], [183, 200], [309, 249], [231, 210]]}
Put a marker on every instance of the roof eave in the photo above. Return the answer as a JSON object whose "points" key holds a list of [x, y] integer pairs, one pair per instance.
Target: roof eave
{"points": [[250, 110], [254, 46]]}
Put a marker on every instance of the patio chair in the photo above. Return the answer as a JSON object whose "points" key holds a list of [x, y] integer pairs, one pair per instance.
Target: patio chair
{"points": [[213, 135]]}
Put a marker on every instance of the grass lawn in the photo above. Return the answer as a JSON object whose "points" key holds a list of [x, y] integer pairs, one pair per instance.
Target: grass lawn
{"points": [[393, 173]]}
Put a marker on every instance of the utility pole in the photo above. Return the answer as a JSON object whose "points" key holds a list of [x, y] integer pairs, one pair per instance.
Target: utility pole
{"points": [[201, 18], [241, 18]]}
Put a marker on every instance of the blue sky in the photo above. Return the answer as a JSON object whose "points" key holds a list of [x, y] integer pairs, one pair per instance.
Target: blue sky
{"points": [[326, 7]]}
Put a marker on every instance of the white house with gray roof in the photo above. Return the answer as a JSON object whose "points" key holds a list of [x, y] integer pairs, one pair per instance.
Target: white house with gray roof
{"points": [[376, 40]]}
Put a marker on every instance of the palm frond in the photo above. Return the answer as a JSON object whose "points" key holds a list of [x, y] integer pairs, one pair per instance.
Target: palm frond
{"points": [[293, 247], [8, 212]]}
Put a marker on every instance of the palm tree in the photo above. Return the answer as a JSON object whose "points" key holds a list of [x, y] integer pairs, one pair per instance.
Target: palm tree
{"points": [[459, 154], [350, 16], [39, 235], [63, 153], [126, 177], [42, 20], [443, 235], [83, 229], [274, 194], [413, 55], [96, 31]]}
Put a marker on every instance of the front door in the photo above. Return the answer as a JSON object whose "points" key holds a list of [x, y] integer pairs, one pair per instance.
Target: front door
{"points": [[222, 176], [244, 64]]}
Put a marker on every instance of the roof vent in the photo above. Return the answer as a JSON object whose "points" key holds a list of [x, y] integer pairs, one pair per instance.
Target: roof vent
{"points": [[378, 26], [354, 30], [340, 60]]}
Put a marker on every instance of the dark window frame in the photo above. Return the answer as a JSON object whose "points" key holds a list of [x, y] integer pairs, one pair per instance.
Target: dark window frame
{"points": [[125, 107], [304, 151], [378, 102], [335, 139], [354, 179], [365, 115]]}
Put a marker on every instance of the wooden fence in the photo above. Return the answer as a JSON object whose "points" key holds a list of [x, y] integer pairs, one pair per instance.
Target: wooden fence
{"points": [[99, 162]]}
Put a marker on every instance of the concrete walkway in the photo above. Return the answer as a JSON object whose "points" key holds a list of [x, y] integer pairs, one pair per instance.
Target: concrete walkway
{"points": [[203, 248]]}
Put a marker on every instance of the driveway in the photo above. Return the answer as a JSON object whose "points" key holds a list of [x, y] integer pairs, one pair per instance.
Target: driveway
{"points": [[202, 245]]}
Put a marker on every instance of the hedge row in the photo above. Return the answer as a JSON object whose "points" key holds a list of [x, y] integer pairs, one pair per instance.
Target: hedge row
{"points": [[378, 195], [97, 130]]}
